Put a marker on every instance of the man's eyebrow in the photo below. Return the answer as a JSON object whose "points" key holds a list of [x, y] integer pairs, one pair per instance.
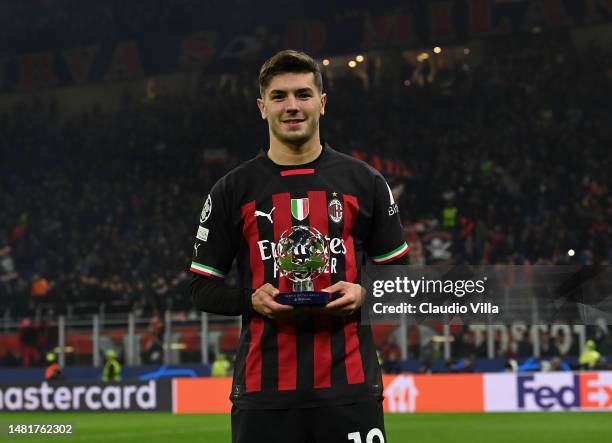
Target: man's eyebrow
{"points": [[284, 91]]}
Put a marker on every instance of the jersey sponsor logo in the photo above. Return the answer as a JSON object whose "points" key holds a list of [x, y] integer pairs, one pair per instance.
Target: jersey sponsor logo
{"points": [[335, 210], [267, 248], [196, 245], [393, 209], [202, 233], [206, 210], [391, 198], [267, 251], [300, 208], [268, 215]]}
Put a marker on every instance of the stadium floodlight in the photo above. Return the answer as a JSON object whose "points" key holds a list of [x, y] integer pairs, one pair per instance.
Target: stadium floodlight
{"points": [[326, 62], [437, 50], [360, 58], [352, 63], [571, 252]]}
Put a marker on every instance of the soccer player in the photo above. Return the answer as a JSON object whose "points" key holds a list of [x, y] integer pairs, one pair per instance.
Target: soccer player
{"points": [[301, 375]]}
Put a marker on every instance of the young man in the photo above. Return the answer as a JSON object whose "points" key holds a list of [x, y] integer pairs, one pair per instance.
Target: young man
{"points": [[301, 375]]}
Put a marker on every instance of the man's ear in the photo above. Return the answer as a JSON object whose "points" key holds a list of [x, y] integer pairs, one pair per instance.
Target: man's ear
{"points": [[323, 103], [262, 108]]}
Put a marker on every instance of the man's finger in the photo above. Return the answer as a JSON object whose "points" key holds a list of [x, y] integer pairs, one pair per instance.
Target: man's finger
{"points": [[269, 289], [336, 287], [263, 295], [279, 307], [338, 303]]}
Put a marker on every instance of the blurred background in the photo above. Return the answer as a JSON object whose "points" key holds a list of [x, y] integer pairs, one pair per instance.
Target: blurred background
{"points": [[491, 120]]}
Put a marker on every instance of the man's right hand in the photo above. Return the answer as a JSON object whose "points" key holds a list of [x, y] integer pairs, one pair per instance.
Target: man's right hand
{"points": [[263, 300]]}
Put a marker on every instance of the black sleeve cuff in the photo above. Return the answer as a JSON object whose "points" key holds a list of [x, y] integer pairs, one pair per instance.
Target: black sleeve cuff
{"points": [[214, 296]]}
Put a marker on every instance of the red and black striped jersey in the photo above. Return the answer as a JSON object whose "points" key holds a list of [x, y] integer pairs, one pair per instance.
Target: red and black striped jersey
{"points": [[309, 358]]}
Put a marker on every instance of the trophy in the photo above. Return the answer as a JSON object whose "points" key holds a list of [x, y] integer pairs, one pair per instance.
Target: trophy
{"points": [[302, 254]]}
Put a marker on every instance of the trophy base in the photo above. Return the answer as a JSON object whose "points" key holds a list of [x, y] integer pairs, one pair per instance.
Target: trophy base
{"points": [[302, 298]]}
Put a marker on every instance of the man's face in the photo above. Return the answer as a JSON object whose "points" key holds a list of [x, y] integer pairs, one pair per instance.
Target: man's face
{"points": [[292, 104]]}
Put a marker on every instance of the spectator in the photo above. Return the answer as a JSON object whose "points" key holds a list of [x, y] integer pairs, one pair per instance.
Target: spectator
{"points": [[53, 371], [221, 366], [40, 287], [589, 358], [112, 368], [30, 354]]}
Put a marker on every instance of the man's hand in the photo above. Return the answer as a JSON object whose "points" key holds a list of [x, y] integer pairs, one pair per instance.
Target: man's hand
{"points": [[264, 303], [351, 297]]}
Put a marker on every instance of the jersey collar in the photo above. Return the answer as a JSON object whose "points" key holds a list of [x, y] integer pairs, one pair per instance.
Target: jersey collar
{"points": [[297, 170]]}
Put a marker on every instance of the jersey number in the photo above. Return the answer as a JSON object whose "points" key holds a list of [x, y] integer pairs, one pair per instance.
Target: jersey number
{"points": [[375, 432]]}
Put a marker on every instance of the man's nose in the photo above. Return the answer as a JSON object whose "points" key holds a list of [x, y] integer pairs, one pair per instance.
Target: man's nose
{"points": [[292, 103]]}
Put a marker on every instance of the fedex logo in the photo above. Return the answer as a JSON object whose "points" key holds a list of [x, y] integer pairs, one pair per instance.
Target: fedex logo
{"points": [[596, 390], [546, 396], [558, 391]]}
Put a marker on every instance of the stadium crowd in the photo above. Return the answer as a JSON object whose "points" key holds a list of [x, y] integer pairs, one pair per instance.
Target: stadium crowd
{"points": [[35, 25], [509, 157]]}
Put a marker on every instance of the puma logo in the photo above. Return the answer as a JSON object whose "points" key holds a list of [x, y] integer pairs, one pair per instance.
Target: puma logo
{"points": [[264, 214]]}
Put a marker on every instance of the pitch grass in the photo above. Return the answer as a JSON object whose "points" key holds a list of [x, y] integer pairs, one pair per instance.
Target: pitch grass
{"points": [[137, 427]]}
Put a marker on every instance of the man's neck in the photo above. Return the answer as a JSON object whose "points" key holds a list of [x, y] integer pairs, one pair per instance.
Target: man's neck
{"points": [[290, 155]]}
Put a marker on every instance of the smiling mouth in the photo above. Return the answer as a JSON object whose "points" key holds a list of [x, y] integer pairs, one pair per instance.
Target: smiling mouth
{"points": [[293, 121]]}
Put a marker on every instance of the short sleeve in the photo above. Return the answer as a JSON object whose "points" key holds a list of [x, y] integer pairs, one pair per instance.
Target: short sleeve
{"points": [[216, 241], [385, 242]]}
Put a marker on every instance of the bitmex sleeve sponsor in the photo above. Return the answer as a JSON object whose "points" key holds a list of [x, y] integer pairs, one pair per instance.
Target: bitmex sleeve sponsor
{"points": [[136, 396]]}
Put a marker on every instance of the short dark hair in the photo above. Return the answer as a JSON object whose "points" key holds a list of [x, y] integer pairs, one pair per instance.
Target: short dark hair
{"points": [[288, 61]]}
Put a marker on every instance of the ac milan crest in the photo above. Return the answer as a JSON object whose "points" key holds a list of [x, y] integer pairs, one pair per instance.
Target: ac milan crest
{"points": [[335, 210]]}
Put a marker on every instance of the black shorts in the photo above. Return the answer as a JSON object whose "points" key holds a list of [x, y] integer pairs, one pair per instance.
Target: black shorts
{"points": [[353, 423]]}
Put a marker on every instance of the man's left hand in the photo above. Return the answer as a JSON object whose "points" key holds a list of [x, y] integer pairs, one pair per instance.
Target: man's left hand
{"points": [[351, 297]]}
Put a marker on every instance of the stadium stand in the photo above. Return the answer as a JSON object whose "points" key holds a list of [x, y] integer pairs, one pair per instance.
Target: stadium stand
{"points": [[509, 158]]}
